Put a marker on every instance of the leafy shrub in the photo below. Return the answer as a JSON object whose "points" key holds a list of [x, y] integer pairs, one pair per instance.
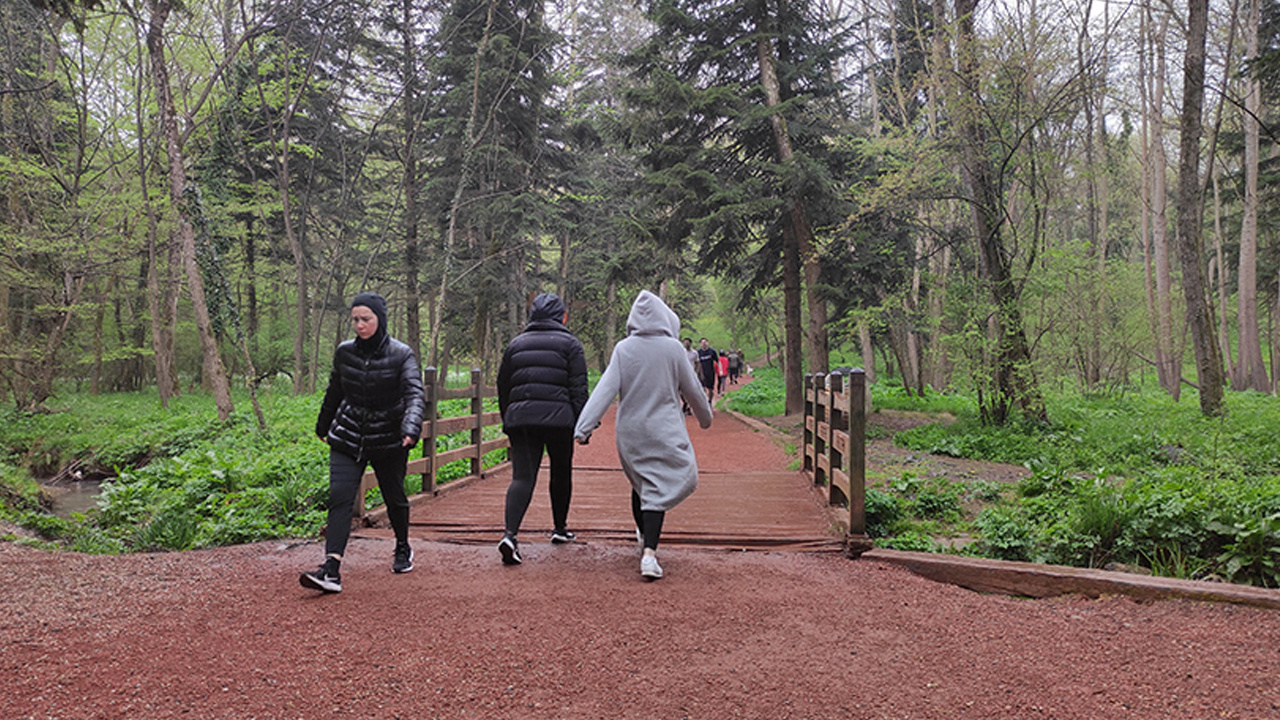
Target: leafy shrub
{"points": [[764, 396], [883, 511], [1251, 552], [1004, 534], [912, 541]]}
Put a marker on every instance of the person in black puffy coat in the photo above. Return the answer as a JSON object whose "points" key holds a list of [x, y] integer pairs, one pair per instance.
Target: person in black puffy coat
{"points": [[542, 387], [371, 415]]}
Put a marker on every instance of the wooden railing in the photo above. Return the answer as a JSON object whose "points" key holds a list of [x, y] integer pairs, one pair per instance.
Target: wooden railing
{"points": [[433, 427], [835, 445]]}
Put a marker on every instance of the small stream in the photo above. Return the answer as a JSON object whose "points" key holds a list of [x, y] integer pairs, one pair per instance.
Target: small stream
{"points": [[76, 496]]}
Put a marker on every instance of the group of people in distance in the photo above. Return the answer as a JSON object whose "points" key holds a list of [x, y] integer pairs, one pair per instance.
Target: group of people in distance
{"points": [[373, 409], [714, 368]]}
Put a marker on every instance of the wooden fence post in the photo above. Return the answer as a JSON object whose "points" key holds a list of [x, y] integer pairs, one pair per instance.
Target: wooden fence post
{"points": [[838, 422], [857, 452], [807, 441], [431, 398], [477, 411], [821, 430]]}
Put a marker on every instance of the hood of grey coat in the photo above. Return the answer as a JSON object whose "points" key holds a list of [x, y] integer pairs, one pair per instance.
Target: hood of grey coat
{"points": [[650, 316]]}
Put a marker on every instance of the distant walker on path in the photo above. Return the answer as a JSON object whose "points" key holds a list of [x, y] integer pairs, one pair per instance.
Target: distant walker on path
{"points": [[650, 373]]}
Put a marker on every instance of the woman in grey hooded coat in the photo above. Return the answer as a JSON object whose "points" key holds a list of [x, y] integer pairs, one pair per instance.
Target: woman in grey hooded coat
{"points": [[649, 373]]}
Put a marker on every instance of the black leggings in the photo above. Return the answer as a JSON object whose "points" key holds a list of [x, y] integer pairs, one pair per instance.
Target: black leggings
{"points": [[648, 521], [527, 446], [345, 473]]}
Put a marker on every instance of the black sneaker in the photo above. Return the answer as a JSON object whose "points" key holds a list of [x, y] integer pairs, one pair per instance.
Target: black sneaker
{"points": [[560, 537], [403, 562], [510, 550], [325, 579]]}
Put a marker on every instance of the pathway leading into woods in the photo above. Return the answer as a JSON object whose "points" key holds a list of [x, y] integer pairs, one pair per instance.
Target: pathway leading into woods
{"points": [[574, 633], [746, 499]]}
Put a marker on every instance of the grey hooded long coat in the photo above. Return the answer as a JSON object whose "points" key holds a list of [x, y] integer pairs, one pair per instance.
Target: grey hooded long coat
{"points": [[649, 373]]}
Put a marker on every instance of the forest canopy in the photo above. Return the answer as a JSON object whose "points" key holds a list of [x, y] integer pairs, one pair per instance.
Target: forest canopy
{"points": [[991, 196]]}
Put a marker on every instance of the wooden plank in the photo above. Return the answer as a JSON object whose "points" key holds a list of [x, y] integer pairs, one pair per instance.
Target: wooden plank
{"points": [[461, 453], [824, 431], [453, 393], [840, 480], [809, 423], [840, 441], [1034, 580], [462, 423], [489, 446], [447, 426], [824, 464]]}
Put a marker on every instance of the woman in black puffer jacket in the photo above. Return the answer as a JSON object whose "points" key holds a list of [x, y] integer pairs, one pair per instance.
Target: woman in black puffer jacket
{"points": [[542, 386], [371, 415]]}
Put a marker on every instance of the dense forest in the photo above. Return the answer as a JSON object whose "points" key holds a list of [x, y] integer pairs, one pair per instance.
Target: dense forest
{"points": [[992, 196]]}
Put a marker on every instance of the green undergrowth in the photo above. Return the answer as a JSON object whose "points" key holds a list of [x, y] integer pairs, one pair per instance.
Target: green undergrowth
{"points": [[178, 478], [1133, 479], [1138, 480]]}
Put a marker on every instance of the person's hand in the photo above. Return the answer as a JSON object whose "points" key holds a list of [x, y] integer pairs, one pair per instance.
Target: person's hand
{"points": [[582, 439], [409, 441]]}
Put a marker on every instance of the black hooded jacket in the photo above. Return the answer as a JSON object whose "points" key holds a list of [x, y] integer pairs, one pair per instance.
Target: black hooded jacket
{"points": [[374, 398], [542, 381]]}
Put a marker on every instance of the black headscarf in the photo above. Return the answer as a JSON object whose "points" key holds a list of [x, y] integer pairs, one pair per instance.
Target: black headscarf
{"points": [[378, 305]]}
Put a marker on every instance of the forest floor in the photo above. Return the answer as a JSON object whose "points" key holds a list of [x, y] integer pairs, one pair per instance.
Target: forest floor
{"points": [[575, 633]]}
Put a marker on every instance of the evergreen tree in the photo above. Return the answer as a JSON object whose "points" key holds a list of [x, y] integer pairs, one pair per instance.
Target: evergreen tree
{"points": [[732, 112]]}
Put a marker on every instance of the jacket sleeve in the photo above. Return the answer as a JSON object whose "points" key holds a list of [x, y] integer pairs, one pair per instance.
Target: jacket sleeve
{"points": [[504, 382], [414, 398], [332, 398], [601, 399], [577, 378]]}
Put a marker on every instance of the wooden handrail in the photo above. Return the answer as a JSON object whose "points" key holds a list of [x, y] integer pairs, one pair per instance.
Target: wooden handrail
{"points": [[434, 426], [835, 446]]}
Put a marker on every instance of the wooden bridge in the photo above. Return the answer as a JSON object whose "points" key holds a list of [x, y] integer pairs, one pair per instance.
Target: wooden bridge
{"points": [[752, 494]]}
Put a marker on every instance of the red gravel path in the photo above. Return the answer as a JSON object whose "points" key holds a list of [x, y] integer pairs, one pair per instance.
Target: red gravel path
{"points": [[574, 633]]}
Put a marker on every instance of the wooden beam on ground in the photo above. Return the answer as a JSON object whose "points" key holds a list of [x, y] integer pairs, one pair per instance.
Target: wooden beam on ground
{"points": [[1038, 581]]}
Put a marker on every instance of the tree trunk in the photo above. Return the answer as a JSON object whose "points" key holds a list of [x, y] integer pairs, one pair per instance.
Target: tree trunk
{"points": [[868, 351], [1224, 339], [1190, 215], [1014, 385], [1251, 373], [798, 246], [1169, 364], [1144, 216], [413, 329], [213, 368]]}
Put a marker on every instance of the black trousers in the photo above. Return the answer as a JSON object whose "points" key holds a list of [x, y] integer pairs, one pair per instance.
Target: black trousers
{"points": [[648, 522], [527, 447], [345, 473]]}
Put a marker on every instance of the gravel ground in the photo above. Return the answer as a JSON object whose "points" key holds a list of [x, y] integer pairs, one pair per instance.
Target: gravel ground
{"points": [[574, 633]]}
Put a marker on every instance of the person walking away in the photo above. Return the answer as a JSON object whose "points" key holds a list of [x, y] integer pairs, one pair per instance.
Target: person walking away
{"points": [[722, 372], [371, 414], [649, 374], [697, 368], [735, 366], [542, 387], [707, 360]]}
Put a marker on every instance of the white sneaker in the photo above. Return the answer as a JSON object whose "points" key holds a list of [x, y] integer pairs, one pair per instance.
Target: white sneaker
{"points": [[649, 567]]}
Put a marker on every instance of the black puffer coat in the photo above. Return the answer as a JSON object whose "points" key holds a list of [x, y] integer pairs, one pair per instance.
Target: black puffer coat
{"points": [[542, 381], [374, 399]]}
